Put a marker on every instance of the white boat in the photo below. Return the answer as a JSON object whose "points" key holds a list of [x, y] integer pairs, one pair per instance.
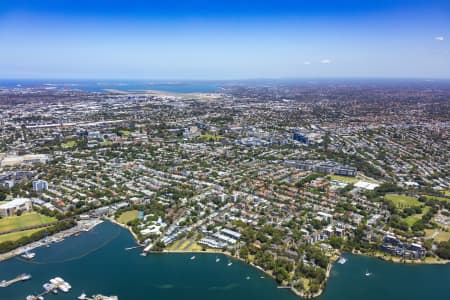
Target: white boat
{"points": [[248, 277], [229, 264], [193, 257], [32, 297], [64, 288], [368, 273], [48, 286], [83, 296], [26, 277], [217, 259], [28, 255], [342, 260]]}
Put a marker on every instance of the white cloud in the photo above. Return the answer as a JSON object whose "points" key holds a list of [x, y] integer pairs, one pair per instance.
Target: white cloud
{"points": [[439, 38], [307, 63], [325, 61]]}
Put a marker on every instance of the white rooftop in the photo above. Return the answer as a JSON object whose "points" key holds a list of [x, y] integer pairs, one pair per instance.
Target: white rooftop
{"points": [[366, 185], [14, 203]]}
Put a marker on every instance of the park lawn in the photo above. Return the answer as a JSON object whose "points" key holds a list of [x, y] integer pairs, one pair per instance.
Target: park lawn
{"points": [[208, 137], [106, 143], [184, 244], [125, 132], [429, 233], [346, 179], [414, 218], [173, 246], [352, 180], [437, 198], [25, 220], [14, 236], [194, 247], [128, 216], [443, 237], [69, 144], [402, 201]]}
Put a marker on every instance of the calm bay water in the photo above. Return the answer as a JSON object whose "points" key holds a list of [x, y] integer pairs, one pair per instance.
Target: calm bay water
{"points": [[97, 262]]}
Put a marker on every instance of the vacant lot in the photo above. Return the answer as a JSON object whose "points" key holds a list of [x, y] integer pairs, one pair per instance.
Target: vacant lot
{"points": [[25, 220], [128, 216], [402, 201]]}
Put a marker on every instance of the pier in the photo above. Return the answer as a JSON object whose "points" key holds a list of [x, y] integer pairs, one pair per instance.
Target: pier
{"points": [[131, 248], [21, 277], [148, 248]]}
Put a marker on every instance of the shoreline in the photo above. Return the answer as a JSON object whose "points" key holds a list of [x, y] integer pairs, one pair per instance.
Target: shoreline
{"points": [[397, 260], [124, 226], [57, 237], [89, 225], [295, 291], [259, 268]]}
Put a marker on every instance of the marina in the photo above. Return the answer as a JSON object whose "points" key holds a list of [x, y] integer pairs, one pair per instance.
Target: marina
{"points": [[52, 286], [83, 226]]}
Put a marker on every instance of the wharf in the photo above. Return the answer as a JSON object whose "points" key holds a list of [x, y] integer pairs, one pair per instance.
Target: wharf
{"points": [[21, 277]]}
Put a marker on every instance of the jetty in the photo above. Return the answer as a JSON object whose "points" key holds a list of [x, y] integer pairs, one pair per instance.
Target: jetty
{"points": [[101, 297], [148, 248], [134, 247], [21, 277]]}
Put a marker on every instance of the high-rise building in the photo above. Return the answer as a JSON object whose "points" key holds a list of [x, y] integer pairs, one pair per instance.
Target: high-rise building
{"points": [[40, 185]]}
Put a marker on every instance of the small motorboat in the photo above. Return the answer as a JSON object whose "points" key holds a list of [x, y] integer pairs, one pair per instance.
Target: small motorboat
{"points": [[342, 260], [28, 255]]}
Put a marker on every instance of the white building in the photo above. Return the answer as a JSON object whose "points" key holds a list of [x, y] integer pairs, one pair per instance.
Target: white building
{"points": [[12, 207], [40, 185]]}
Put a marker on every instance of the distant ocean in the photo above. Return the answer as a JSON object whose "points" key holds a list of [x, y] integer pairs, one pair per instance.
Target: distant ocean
{"points": [[127, 86], [211, 86]]}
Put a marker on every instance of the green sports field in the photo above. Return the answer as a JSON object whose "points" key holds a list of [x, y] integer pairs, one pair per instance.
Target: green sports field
{"points": [[128, 216], [25, 220], [402, 201]]}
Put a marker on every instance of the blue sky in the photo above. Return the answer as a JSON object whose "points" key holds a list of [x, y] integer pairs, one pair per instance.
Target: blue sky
{"points": [[224, 39]]}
